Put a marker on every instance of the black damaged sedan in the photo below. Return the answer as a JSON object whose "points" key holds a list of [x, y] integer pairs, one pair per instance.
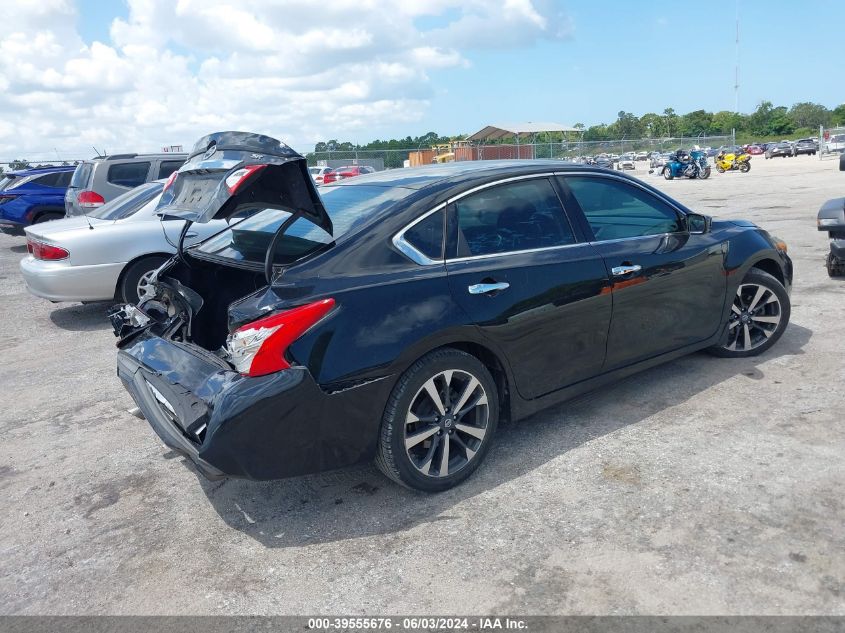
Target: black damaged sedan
{"points": [[400, 316]]}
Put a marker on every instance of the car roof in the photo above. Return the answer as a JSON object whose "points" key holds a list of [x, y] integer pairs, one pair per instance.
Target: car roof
{"points": [[171, 155], [421, 177], [32, 171]]}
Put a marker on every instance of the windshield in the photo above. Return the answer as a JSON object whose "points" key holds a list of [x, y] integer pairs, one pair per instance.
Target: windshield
{"points": [[4, 182], [129, 203], [347, 206], [81, 175]]}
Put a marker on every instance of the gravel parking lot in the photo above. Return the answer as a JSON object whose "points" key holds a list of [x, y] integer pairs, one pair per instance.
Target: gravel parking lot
{"points": [[705, 486]]}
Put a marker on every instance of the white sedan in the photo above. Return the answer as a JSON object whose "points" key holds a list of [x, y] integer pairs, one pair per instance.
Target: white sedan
{"points": [[109, 254]]}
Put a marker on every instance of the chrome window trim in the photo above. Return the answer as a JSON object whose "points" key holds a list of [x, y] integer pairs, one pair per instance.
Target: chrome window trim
{"points": [[407, 249], [521, 252]]}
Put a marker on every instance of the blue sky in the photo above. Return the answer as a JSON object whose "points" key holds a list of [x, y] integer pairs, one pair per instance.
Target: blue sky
{"points": [[133, 75]]}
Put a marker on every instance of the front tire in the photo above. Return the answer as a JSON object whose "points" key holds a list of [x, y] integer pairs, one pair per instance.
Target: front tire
{"points": [[745, 168], [439, 421], [704, 174], [758, 318], [135, 283], [835, 266]]}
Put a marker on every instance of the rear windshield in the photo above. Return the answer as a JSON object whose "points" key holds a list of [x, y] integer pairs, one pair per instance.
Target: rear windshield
{"points": [[347, 206], [5, 181], [81, 175], [129, 203]]}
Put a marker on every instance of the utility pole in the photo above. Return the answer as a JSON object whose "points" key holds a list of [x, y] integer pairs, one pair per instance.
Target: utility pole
{"points": [[736, 68]]}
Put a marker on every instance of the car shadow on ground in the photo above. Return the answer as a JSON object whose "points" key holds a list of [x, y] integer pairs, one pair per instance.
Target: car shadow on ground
{"points": [[20, 248], [359, 501], [82, 317]]}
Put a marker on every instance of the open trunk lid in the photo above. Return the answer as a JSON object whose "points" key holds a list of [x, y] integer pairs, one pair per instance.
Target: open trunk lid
{"points": [[227, 171]]}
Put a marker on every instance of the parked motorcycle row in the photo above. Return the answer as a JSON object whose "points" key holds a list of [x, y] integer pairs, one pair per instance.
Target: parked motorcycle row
{"points": [[694, 164]]}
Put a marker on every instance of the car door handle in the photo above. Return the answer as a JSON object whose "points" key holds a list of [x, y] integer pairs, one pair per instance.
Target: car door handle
{"points": [[621, 271], [483, 289], [191, 234]]}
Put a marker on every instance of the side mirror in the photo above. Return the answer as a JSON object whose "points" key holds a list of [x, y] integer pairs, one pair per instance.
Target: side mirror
{"points": [[698, 224]]}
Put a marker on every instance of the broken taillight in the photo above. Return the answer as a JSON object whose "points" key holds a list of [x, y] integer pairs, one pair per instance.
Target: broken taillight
{"points": [[258, 348], [240, 176], [40, 250], [170, 181]]}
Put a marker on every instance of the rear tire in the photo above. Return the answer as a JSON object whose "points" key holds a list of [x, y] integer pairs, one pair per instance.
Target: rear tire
{"points": [[136, 276], [758, 318], [667, 173], [48, 217], [421, 447], [835, 266]]}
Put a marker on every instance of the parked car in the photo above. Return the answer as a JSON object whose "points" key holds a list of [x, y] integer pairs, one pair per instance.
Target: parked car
{"points": [[626, 161], [754, 150], [351, 171], [805, 146], [408, 312], [836, 143], [782, 149], [108, 255], [100, 180], [318, 173], [32, 196], [641, 156]]}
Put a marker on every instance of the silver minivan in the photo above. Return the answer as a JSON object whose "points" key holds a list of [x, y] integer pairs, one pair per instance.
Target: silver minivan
{"points": [[102, 179]]}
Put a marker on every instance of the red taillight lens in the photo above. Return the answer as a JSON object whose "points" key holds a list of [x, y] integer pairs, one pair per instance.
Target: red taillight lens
{"points": [[90, 199], [327, 178], [240, 176], [258, 348], [39, 250], [170, 181]]}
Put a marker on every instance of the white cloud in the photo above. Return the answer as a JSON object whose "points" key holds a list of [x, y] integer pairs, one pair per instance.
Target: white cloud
{"points": [[173, 71]]}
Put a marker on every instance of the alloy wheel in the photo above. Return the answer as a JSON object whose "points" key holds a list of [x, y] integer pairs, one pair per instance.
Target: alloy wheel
{"points": [[755, 316], [446, 423], [145, 288]]}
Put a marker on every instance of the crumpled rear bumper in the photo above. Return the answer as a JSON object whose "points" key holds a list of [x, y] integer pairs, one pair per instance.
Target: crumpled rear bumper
{"points": [[268, 427]]}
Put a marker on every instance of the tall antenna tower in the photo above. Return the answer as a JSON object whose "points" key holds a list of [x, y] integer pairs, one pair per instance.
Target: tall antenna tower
{"points": [[736, 68]]}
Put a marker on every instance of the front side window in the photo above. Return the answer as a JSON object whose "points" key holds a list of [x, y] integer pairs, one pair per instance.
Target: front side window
{"points": [[128, 174], [515, 216], [616, 210]]}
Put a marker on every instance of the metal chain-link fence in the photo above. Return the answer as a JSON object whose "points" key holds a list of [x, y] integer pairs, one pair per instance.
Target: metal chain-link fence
{"points": [[463, 151]]}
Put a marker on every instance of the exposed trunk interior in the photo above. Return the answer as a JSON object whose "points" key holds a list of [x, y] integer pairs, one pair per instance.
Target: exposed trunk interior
{"points": [[219, 286]]}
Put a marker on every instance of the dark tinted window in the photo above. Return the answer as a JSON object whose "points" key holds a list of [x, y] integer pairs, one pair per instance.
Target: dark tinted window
{"points": [[511, 217], [56, 179], [427, 235], [167, 167], [128, 174], [249, 239], [81, 175], [129, 203], [347, 206], [618, 210]]}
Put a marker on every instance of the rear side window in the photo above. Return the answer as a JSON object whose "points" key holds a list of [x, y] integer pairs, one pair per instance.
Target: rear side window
{"points": [[167, 167], [81, 175], [515, 216], [128, 174], [617, 210], [129, 203], [56, 179], [427, 235]]}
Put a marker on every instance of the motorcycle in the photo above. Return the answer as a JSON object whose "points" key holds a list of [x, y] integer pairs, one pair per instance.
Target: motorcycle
{"points": [[832, 220], [682, 165], [732, 162]]}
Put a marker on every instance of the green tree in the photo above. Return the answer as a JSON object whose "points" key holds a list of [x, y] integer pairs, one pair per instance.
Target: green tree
{"points": [[837, 115], [671, 121], [19, 163], [653, 125], [724, 121], [808, 114], [695, 123]]}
